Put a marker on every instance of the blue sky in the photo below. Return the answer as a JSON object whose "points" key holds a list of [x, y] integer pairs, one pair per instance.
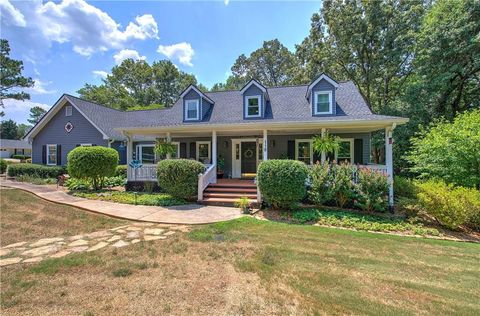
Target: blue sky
{"points": [[65, 44]]}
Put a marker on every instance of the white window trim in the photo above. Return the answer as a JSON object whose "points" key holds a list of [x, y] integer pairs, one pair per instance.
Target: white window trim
{"points": [[330, 102], [259, 98], [352, 149], [197, 104], [86, 145], [304, 141], [209, 143], [68, 107], [48, 154], [140, 148], [177, 144]]}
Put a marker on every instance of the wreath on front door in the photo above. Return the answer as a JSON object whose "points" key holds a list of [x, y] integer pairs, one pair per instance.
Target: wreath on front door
{"points": [[248, 153]]}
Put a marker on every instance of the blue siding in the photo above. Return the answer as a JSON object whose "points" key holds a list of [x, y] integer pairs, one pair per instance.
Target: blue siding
{"points": [[54, 133], [253, 90], [192, 95], [324, 85]]}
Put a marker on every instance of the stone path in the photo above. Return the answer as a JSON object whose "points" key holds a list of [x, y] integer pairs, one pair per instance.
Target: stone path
{"points": [[182, 214], [56, 247]]}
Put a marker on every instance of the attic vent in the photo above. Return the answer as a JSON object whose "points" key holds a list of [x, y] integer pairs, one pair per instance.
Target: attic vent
{"points": [[68, 110]]}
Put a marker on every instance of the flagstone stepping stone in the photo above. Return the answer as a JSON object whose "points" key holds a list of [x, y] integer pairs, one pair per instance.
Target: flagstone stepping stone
{"points": [[76, 237], [40, 251], [143, 224], [114, 238], [46, 241], [60, 254], [153, 231], [169, 233], [77, 243], [4, 252], [133, 235], [79, 249], [133, 228], [120, 244], [102, 233], [8, 261], [34, 259], [135, 241], [18, 244], [149, 238], [100, 245], [120, 227]]}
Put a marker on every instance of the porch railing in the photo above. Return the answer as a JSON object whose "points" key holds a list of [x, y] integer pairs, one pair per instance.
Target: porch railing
{"points": [[204, 179], [144, 173]]}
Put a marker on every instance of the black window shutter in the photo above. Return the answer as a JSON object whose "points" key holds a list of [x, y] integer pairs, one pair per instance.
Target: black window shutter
{"points": [[44, 154], [193, 150], [94, 144], [77, 145], [59, 155], [330, 156], [291, 149], [183, 150], [358, 151]]}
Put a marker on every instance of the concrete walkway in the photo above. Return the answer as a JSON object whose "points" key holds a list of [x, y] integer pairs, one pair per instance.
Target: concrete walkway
{"points": [[182, 214]]}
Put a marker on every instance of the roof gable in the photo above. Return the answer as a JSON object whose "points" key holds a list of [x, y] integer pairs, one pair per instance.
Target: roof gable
{"points": [[322, 76], [194, 88]]}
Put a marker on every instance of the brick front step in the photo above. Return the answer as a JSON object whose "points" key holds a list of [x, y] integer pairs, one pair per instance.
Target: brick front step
{"points": [[226, 193], [223, 201], [232, 195]]}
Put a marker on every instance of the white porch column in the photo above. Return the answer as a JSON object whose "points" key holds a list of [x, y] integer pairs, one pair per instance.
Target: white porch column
{"points": [[265, 145], [129, 149], [169, 139], [323, 156], [389, 162], [214, 154]]}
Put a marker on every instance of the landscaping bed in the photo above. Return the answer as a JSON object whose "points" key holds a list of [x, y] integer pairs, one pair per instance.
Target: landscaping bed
{"points": [[153, 199]]}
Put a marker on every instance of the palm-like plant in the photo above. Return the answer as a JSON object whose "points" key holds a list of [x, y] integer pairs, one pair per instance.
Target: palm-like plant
{"points": [[328, 143]]}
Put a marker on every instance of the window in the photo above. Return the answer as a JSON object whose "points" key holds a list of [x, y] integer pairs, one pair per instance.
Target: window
{"points": [[68, 110], [304, 150], [203, 152], [177, 152], [253, 106], [51, 154], [345, 152], [191, 110], [323, 102], [146, 154]]}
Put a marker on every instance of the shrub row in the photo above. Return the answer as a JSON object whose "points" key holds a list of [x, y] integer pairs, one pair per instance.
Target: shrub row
{"points": [[21, 157], [179, 177], [39, 171], [121, 171]]}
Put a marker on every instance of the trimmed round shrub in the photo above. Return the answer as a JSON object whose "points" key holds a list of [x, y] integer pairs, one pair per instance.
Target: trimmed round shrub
{"points": [[179, 177], [282, 182], [3, 166], [92, 163], [37, 171]]}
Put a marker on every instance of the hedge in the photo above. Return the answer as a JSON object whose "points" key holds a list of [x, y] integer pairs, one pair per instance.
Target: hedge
{"points": [[39, 171], [121, 171], [21, 157], [282, 183], [92, 163], [3, 165], [179, 177]]}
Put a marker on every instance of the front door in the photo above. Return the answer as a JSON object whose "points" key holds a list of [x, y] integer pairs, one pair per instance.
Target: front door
{"points": [[249, 157]]}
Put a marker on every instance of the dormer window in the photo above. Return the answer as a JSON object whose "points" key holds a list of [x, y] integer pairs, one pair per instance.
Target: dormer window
{"points": [[192, 110], [252, 104], [322, 102]]}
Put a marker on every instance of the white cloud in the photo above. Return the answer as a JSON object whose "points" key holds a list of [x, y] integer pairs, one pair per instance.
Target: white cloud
{"points": [[226, 2], [40, 87], [85, 26], [100, 73], [11, 15], [15, 106], [126, 54], [181, 51]]}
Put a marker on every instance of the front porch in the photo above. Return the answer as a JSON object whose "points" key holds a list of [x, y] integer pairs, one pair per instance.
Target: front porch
{"points": [[237, 154]]}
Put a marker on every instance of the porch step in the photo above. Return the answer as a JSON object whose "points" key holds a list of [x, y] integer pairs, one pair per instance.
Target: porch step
{"points": [[210, 189], [247, 184], [233, 195], [227, 192], [223, 201]]}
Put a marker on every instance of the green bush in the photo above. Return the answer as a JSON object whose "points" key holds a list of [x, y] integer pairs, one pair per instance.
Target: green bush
{"points": [[114, 181], [282, 182], [320, 191], [342, 183], [38, 171], [451, 206], [121, 171], [155, 199], [92, 163], [21, 157], [371, 190], [179, 177], [404, 188], [3, 166], [305, 216], [35, 180], [77, 184]]}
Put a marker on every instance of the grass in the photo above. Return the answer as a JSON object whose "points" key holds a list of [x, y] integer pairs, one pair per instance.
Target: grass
{"points": [[35, 180], [253, 267], [25, 217], [155, 199], [359, 221]]}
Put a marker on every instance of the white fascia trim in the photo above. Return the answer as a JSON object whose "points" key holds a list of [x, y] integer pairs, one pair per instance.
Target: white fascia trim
{"points": [[327, 78], [197, 104], [330, 102], [260, 107], [253, 81], [202, 95]]}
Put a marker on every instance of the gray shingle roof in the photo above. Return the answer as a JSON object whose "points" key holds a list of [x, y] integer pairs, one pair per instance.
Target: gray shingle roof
{"points": [[287, 104], [14, 143]]}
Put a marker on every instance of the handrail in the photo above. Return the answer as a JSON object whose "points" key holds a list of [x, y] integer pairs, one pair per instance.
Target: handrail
{"points": [[205, 178]]}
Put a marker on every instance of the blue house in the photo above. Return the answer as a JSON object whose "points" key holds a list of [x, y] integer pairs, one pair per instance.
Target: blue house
{"points": [[238, 128]]}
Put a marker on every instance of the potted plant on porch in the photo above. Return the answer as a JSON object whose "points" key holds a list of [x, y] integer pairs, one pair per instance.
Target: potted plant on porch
{"points": [[327, 144], [220, 167], [164, 148]]}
